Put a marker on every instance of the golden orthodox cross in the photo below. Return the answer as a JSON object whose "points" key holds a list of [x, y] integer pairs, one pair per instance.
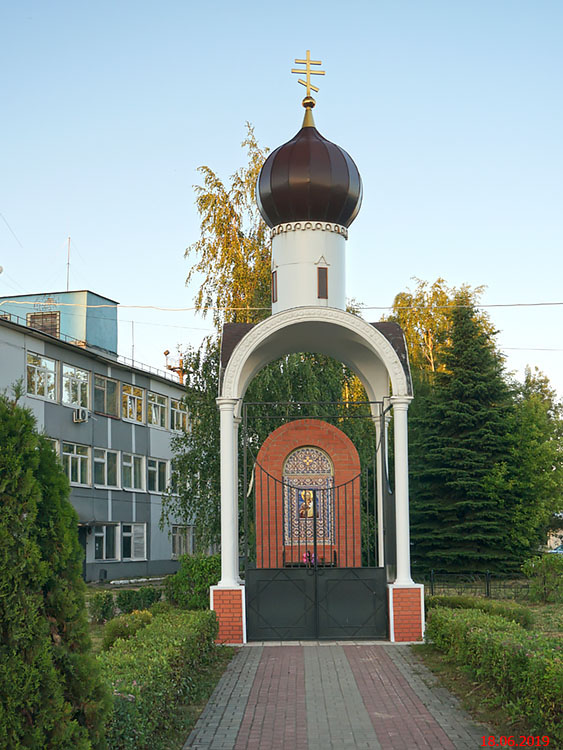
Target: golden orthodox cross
{"points": [[308, 72]]}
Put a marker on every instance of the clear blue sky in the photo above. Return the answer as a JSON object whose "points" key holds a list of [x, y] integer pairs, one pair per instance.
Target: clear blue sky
{"points": [[452, 110]]}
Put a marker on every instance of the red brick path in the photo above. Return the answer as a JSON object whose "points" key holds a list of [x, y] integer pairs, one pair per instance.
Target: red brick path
{"points": [[276, 716]]}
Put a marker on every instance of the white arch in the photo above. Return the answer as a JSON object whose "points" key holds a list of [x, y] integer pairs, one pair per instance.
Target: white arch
{"points": [[336, 333], [348, 339]]}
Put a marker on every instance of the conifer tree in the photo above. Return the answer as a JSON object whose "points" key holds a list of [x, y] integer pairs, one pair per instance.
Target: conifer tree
{"points": [[51, 693], [461, 431]]}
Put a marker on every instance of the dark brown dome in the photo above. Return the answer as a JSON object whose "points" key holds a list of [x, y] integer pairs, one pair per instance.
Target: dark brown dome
{"points": [[309, 179]]}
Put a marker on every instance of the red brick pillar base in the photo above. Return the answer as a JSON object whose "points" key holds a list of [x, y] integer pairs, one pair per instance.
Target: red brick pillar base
{"points": [[229, 604], [406, 612]]}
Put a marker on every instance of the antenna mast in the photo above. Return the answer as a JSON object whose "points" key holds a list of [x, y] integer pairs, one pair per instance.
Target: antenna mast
{"points": [[68, 266]]}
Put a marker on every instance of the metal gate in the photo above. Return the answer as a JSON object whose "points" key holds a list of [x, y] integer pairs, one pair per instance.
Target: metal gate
{"points": [[313, 573]]}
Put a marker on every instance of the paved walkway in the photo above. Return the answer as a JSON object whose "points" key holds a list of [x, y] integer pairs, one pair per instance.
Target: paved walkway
{"points": [[320, 696]]}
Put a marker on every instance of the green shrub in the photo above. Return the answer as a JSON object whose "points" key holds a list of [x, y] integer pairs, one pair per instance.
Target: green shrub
{"points": [[102, 606], [509, 610], [546, 577], [130, 599], [161, 608], [525, 669], [151, 672], [189, 587], [125, 626], [52, 695]]}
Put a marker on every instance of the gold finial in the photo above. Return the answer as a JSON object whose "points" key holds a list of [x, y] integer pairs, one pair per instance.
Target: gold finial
{"points": [[308, 101]]}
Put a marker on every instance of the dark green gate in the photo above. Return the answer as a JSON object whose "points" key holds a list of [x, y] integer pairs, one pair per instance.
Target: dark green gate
{"points": [[315, 603]]}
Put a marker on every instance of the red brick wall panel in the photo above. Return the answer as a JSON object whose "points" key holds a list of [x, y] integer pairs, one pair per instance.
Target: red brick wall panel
{"points": [[407, 614], [269, 501], [228, 604]]}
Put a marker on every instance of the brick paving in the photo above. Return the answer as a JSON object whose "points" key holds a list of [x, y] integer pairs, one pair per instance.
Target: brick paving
{"points": [[331, 696], [276, 714]]}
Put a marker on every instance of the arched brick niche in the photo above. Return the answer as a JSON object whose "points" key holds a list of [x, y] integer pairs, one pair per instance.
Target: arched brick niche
{"points": [[338, 543]]}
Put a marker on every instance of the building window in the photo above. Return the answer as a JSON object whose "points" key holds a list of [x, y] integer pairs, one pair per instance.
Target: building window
{"points": [[106, 467], [157, 474], [132, 472], [182, 541], [132, 403], [41, 376], [105, 547], [178, 415], [156, 409], [106, 396], [133, 541], [76, 386], [274, 286], [76, 463], [48, 322], [322, 283]]}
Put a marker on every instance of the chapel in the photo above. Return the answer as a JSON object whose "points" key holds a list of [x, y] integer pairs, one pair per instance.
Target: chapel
{"points": [[330, 543]]}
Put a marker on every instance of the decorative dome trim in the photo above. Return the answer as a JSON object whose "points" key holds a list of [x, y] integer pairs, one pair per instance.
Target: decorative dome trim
{"points": [[295, 226]]}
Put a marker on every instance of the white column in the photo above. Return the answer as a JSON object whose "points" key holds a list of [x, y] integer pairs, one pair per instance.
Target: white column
{"points": [[237, 421], [229, 495], [400, 409]]}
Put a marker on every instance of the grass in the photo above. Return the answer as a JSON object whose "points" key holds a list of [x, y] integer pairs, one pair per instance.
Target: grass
{"points": [[548, 618], [477, 698], [96, 636]]}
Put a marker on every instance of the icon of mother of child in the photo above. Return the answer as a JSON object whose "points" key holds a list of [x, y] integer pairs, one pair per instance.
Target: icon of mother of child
{"points": [[307, 504]]}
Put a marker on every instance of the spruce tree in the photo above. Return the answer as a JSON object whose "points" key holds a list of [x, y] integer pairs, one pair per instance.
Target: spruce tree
{"points": [[461, 439], [51, 693]]}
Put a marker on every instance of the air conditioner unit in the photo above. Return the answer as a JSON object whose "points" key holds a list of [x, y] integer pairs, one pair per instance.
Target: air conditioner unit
{"points": [[80, 414]]}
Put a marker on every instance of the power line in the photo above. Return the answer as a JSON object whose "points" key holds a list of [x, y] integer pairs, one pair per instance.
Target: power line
{"points": [[258, 309], [226, 309], [528, 349], [11, 230]]}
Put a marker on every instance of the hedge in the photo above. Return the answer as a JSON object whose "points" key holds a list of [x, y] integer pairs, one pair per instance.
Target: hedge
{"points": [[189, 587], [102, 606], [129, 599], [125, 626], [150, 673], [525, 669], [509, 610]]}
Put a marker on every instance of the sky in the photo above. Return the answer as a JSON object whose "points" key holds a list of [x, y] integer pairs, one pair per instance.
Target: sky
{"points": [[453, 112]]}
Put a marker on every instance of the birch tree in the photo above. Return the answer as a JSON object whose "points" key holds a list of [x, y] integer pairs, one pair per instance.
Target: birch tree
{"points": [[425, 315], [233, 251]]}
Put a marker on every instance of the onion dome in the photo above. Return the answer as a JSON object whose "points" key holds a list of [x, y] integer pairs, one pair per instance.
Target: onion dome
{"points": [[309, 179]]}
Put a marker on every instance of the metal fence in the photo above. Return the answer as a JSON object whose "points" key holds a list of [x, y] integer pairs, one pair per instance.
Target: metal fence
{"points": [[474, 584]]}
